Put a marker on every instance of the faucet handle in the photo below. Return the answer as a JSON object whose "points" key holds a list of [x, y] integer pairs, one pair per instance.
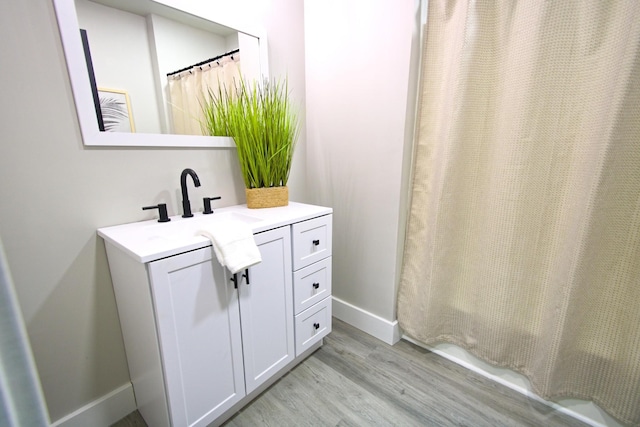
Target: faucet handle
{"points": [[207, 204], [162, 210]]}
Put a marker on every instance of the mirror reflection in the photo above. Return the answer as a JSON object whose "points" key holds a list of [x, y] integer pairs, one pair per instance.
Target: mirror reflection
{"points": [[152, 64]]}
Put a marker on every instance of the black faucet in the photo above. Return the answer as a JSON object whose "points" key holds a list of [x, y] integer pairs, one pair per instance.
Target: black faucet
{"points": [[186, 205]]}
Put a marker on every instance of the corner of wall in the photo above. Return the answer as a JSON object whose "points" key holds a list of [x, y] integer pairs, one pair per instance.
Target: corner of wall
{"points": [[410, 134], [104, 411], [373, 325]]}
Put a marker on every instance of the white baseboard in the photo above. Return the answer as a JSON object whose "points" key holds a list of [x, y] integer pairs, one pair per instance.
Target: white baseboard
{"points": [[103, 411], [585, 411], [380, 328]]}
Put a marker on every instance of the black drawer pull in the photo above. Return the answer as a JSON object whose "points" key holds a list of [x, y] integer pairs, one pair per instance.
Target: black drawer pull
{"points": [[316, 285], [316, 326], [234, 279], [316, 242]]}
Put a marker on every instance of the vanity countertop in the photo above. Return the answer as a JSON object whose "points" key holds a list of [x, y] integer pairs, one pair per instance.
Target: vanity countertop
{"points": [[150, 240]]}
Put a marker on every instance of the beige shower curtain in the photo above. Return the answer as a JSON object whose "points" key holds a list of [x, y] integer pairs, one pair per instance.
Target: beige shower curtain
{"points": [[523, 241], [189, 89]]}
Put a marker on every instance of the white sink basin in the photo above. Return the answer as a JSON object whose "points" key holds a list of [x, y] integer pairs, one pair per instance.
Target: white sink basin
{"points": [[181, 228], [147, 241], [150, 240]]}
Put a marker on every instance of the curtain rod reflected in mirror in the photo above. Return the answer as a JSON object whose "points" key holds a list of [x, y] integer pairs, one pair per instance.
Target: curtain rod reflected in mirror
{"points": [[205, 62]]}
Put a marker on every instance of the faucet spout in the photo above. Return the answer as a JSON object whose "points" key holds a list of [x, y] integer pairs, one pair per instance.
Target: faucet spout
{"points": [[186, 205]]}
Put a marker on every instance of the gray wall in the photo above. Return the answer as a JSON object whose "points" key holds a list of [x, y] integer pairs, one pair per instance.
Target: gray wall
{"points": [[54, 193]]}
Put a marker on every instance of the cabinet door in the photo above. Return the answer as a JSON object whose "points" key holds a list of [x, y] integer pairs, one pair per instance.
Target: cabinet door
{"points": [[266, 309], [198, 324]]}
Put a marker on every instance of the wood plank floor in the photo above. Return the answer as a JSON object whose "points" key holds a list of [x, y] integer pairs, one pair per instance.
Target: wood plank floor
{"points": [[357, 380]]}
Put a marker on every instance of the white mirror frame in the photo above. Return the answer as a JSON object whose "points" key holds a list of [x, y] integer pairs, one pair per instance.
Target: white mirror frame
{"points": [[79, 77]]}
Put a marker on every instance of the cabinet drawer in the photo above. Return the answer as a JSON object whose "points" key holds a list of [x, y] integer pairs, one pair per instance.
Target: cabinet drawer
{"points": [[312, 325], [311, 284], [311, 241]]}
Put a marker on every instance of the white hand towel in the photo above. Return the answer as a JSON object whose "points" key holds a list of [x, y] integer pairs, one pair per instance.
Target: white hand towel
{"points": [[233, 244]]}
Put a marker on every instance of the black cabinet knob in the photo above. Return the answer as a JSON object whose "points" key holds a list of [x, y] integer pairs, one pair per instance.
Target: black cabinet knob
{"points": [[316, 285], [316, 326], [316, 242], [162, 211]]}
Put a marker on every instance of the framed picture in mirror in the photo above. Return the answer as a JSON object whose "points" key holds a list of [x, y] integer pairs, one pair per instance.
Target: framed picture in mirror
{"points": [[115, 109]]}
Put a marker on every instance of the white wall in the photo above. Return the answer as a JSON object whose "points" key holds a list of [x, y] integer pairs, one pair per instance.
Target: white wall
{"points": [[122, 59], [179, 45], [360, 65], [54, 193]]}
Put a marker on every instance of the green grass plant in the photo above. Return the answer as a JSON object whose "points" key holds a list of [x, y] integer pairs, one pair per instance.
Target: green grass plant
{"points": [[260, 118]]}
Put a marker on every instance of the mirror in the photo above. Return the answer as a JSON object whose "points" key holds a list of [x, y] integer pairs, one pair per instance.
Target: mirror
{"points": [[195, 17]]}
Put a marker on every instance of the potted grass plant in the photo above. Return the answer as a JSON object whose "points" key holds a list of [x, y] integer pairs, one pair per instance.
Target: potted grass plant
{"points": [[264, 126]]}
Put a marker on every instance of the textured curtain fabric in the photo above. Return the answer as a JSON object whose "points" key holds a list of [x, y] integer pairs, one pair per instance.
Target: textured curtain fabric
{"points": [[188, 90], [523, 240]]}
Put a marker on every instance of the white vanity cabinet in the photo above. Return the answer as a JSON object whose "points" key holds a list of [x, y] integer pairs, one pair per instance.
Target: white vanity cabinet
{"points": [[312, 246], [209, 332], [266, 309], [199, 346], [200, 342]]}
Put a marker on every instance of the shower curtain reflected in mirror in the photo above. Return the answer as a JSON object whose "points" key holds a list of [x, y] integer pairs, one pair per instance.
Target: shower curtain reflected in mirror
{"points": [[189, 89], [523, 239]]}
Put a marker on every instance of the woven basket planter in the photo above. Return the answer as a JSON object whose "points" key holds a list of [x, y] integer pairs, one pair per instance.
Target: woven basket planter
{"points": [[267, 197]]}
